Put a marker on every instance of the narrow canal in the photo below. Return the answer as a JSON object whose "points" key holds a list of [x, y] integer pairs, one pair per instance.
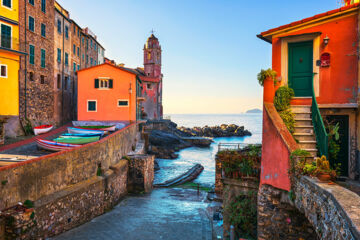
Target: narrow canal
{"points": [[173, 213]]}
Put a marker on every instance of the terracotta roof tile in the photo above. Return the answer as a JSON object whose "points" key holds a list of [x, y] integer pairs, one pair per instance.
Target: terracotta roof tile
{"points": [[356, 5]]}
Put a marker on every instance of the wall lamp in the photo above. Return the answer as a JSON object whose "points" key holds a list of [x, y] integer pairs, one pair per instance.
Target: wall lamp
{"points": [[326, 40]]}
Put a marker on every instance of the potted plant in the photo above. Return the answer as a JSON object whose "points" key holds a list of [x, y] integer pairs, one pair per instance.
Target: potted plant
{"points": [[266, 75], [323, 171]]}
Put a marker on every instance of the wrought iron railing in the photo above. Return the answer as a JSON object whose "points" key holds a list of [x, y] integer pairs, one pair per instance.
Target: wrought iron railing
{"points": [[231, 146], [319, 127]]}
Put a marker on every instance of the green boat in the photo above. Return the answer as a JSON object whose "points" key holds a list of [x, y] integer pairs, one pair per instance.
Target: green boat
{"points": [[76, 140]]}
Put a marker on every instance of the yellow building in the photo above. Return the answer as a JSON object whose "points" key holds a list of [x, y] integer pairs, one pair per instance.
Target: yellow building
{"points": [[349, 2], [9, 57]]}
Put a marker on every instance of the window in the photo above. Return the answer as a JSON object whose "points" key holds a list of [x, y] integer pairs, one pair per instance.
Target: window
{"points": [[43, 30], [83, 40], [6, 3], [42, 79], [59, 26], [43, 6], [3, 71], [31, 24], [123, 103], [5, 36], [87, 44], [87, 59], [78, 67], [91, 105], [78, 52], [91, 61], [59, 55], [31, 76], [66, 59], [74, 67], [31, 54], [74, 49], [31, 2], [91, 44], [66, 32], [58, 81], [43, 54], [104, 83], [83, 57], [148, 86], [95, 46], [74, 30], [78, 30]]}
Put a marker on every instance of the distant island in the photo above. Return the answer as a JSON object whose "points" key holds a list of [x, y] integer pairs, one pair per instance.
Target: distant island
{"points": [[255, 110]]}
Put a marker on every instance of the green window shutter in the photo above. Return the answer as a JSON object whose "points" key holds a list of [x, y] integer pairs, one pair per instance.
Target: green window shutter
{"points": [[110, 83], [96, 83]]}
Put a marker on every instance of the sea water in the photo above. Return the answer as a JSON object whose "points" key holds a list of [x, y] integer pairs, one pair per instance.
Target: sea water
{"points": [[206, 156]]}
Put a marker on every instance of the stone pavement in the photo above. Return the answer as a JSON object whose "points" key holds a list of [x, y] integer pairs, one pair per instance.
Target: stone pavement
{"points": [[169, 214]]}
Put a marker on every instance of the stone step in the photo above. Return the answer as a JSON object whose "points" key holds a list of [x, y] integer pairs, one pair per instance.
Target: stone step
{"points": [[304, 129], [307, 144], [303, 122], [304, 136], [312, 151], [302, 115], [300, 109]]}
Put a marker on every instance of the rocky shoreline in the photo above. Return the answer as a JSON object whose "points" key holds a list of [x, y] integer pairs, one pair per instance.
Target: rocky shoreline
{"points": [[224, 130], [165, 138]]}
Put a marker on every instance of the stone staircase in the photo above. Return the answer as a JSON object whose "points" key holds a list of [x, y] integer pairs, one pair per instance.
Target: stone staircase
{"points": [[304, 129]]}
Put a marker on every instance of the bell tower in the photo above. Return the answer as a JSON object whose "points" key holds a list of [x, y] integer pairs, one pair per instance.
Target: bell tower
{"points": [[152, 57]]}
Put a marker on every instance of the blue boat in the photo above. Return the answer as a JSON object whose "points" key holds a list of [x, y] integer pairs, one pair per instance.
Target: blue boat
{"points": [[82, 134], [74, 130]]}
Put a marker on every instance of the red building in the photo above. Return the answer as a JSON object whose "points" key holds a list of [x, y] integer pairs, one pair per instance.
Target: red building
{"points": [[318, 57]]}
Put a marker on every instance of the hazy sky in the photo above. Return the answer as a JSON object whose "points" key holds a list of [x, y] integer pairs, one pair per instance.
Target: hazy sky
{"points": [[211, 54]]}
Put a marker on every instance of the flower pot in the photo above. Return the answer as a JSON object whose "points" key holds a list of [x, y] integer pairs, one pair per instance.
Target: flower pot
{"points": [[324, 177], [269, 90]]}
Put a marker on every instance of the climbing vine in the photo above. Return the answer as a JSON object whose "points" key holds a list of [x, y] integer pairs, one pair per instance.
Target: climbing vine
{"points": [[282, 104]]}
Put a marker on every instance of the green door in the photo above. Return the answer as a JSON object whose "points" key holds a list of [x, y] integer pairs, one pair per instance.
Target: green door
{"points": [[301, 68]]}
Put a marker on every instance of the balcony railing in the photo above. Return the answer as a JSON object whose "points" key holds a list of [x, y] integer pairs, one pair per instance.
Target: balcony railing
{"points": [[10, 43], [319, 127]]}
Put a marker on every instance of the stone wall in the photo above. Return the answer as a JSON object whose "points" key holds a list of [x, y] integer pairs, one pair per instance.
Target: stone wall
{"points": [[141, 173], [332, 210], [232, 188], [279, 219], [46, 175]]}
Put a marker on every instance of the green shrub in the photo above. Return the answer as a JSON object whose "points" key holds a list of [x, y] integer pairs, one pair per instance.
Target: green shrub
{"points": [[243, 215], [265, 74], [289, 119], [282, 98]]}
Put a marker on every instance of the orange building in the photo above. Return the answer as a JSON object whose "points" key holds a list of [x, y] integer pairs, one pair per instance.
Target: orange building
{"points": [[318, 57], [108, 93]]}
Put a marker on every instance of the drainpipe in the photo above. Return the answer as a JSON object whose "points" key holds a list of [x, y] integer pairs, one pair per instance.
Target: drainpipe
{"points": [[25, 87], [62, 73]]}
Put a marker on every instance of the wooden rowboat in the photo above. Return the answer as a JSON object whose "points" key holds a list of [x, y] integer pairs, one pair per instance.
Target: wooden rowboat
{"points": [[102, 128], [76, 140], [82, 134], [85, 131], [42, 129], [54, 146]]}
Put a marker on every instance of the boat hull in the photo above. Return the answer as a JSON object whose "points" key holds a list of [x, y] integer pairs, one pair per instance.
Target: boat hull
{"points": [[106, 128], [81, 134], [85, 131], [76, 140], [54, 146], [42, 129]]}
